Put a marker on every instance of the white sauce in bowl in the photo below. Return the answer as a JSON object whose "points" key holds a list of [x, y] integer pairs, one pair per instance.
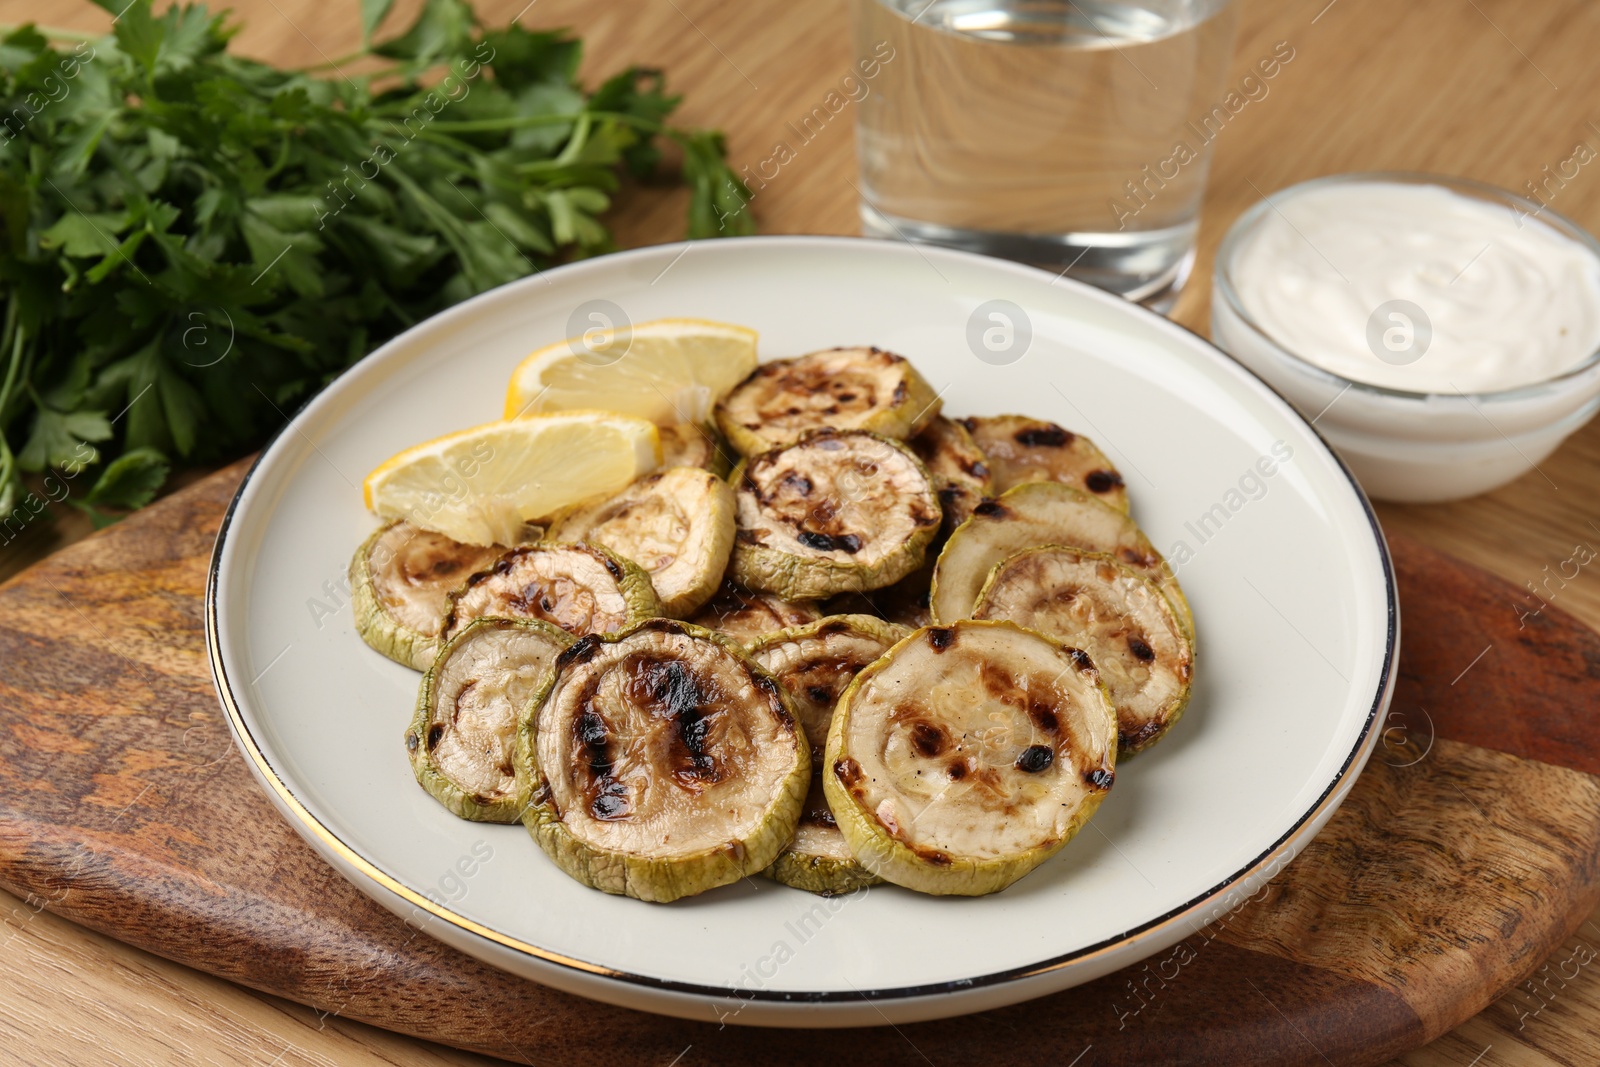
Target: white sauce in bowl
{"points": [[1505, 300]]}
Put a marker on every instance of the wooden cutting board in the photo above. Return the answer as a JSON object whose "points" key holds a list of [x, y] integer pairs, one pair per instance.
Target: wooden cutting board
{"points": [[1464, 856]]}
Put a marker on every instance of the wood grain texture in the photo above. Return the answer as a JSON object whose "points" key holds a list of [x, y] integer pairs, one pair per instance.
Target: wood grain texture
{"points": [[1435, 878], [1492, 89], [61, 1003], [1451, 872], [1494, 630]]}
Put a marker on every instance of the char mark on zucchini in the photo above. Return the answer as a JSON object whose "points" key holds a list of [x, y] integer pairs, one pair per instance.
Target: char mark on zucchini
{"points": [[836, 512]]}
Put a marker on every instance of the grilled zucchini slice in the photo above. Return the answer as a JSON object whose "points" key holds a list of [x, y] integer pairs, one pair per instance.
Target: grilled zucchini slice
{"points": [[684, 444], [904, 603], [959, 468], [677, 524], [463, 737], [818, 860], [1122, 620], [583, 589], [1021, 450], [839, 511], [661, 762], [745, 615], [400, 581], [968, 755], [1041, 513], [814, 664], [842, 388]]}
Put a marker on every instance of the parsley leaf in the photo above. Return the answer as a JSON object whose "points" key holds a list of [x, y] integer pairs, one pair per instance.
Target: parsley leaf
{"points": [[129, 481], [57, 437], [192, 243]]}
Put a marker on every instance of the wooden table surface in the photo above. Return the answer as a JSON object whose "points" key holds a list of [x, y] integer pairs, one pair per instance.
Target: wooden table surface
{"points": [[1504, 91]]}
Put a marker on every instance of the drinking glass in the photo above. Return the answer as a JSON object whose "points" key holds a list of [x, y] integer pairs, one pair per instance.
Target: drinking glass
{"points": [[1071, 134]]}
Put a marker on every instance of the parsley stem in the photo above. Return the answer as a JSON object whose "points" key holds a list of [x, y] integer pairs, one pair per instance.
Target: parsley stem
{"points": [[12, 339], [283, 158], [521, 121], [574, 146], [334, 64], [54, 32], [495, 125]]}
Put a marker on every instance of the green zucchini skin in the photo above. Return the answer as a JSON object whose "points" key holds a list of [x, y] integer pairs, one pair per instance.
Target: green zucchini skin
{"points": [[381, 631], [1130, 629], [820, 874], [416, 644], [1022, 449], [959, 468], [630, 580], [1042, 513], [796, 571], [874, 832], [661, 875], [422, 739], [850, 388], [815, 662]]}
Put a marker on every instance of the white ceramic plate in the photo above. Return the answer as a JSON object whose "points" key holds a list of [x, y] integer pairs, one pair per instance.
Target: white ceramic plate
{"points": [[1287, 573]]}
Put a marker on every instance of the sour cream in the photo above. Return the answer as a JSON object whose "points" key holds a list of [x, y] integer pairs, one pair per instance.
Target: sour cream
{"points": [[1420, 288]]}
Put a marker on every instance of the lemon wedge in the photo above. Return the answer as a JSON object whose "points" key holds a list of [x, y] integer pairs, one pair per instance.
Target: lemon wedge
{"points": [[480, 486], [667, 371]]}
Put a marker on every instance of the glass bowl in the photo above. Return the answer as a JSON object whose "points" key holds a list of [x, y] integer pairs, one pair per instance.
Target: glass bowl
{"points": [[1416, 447]]}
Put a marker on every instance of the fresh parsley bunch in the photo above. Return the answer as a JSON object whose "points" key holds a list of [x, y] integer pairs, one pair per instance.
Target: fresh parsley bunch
{"points": [[191, 243]]}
